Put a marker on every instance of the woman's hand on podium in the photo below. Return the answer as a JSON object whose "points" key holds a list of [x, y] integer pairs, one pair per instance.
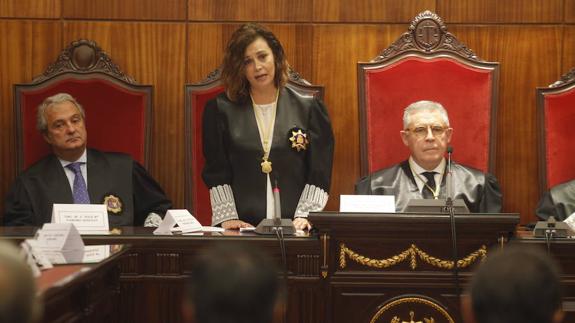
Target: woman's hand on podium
{"points": [[301, 224], [235, 225]]}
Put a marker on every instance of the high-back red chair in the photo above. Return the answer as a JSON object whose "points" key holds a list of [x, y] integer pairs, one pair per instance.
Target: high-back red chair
{"points": [[118, 111], [427, 63], [197, 196], [556, 113]]}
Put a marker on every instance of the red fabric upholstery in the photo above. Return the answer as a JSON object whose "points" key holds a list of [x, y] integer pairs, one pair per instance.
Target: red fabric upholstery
{"points": [[464, 91], [115, 115], [559, 114], [199, 194]]}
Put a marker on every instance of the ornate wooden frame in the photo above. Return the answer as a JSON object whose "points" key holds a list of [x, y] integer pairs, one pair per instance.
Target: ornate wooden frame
{"points": [[82, 59], [427, 38], [565, 84]]}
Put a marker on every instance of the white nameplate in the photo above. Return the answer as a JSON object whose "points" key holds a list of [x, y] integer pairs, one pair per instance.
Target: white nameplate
{"points": [[88, 218], [367, 203], [95, 254], [59, 237], [571, 221], [185, 220]]}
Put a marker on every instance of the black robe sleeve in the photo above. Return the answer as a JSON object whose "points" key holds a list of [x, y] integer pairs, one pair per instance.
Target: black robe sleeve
{"points": [[547, 208], [18, 208], [148, 195], [320, 158], [217, 170], [492, 201], [363, 186], [319, 162]]}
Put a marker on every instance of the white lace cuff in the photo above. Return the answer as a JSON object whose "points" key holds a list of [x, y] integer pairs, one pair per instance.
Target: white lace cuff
{"points": [[223, 205], [153, 220], [312, 198]]}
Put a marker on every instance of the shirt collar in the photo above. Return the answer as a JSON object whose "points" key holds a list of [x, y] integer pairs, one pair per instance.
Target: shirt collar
{"points": [[419, 170], [82, 159]]}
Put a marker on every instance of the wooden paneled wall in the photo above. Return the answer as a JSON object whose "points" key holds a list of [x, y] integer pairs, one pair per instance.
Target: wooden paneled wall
{"points": [[172, 42]]}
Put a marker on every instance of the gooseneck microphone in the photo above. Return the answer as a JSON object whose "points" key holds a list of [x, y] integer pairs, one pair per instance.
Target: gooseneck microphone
{"points": [[451, 209], [277, 203], [276, 224], [449, 179]]}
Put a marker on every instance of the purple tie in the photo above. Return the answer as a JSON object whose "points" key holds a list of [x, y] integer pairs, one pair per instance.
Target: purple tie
{"points": [[80, 191]]}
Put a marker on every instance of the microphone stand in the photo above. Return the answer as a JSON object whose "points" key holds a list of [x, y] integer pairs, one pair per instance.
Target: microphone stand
{"points": [[451, 210], [278, 229]]}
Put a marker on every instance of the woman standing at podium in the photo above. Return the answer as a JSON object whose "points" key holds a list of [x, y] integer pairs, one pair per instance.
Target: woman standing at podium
{"points": [[259, 133]]}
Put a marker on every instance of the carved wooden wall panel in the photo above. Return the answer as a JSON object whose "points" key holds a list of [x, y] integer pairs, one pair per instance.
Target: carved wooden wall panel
{"points": [[494, 11], [337, 49], [250, 10], [521, 53], [369, 10], [30, 8], [570, 11], [153, 53], [568, 48], [21, 58], [206, 43], [125, 9]]}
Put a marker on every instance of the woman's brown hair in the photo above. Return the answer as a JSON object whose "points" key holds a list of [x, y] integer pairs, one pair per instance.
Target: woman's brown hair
{"points": [[233, 76]]}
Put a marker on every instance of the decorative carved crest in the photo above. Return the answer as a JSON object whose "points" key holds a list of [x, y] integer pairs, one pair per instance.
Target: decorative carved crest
{"points": [[295, 77], [427, 33], [569, 77], [429, 309], [84, 56], [213, 76]]}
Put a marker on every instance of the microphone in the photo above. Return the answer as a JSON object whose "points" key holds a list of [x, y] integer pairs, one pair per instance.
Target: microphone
{"points": [[277, 203], [272, 226], [451, 209], [449, 178]]}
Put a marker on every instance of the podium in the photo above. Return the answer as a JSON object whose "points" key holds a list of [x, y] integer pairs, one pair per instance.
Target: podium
{"points": [[398, 267]]}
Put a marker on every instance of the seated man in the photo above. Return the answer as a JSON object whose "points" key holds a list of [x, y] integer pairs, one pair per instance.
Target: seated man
{"points": [[74, 174], [427, 134], [18, 300], [558, 202], [233, 284], [515, 285]]}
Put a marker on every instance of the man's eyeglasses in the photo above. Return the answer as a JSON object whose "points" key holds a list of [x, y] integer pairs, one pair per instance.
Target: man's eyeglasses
{"points": [[422, 131]]}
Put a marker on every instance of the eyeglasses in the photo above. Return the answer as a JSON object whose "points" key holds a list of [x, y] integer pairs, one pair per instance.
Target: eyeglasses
{"points": [[422, 131]]}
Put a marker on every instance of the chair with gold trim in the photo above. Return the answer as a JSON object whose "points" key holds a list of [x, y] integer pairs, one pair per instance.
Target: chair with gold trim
{"points": [[197, 196], [118, 111], [555, 114], [427, 63]]}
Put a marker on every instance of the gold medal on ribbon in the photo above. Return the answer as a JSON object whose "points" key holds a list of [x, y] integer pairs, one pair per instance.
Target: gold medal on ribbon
{"points": [[266, 166], [266, 133]]}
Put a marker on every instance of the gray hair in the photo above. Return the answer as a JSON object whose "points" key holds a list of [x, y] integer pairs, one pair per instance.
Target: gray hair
{"points": [[41, 123], [424, 106], [18, 302]]}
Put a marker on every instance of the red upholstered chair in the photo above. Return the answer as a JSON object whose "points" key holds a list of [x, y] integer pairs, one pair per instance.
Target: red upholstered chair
{"points": [[427, 63], [118, 111], [197, 196], [556, 113]]}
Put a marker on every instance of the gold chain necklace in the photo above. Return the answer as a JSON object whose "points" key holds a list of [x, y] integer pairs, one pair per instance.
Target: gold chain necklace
{"points": [[266, 133]]}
